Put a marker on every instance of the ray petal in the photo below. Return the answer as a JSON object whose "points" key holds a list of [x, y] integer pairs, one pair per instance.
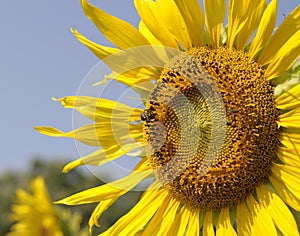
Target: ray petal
{"points": [[279, 212], [265, 29], [208, 228], [224, 226], [284, 32], [119, 32], [214, 22], [289, 99]]}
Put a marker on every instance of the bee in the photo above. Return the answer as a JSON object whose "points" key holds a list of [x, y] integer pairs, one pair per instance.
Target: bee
{"points": [[147, 115]]}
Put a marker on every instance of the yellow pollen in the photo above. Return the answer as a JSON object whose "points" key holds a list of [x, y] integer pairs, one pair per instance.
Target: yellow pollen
{"points": [[179, 124]]}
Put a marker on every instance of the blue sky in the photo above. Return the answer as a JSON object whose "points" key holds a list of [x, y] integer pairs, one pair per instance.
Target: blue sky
{"points": [[41, 59]]}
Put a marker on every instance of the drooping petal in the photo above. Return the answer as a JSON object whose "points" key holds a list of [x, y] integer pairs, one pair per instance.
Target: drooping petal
{"points": [[214, 22], [254, 13], [285, 56], [119, 32], [130, 224], [193, 18], [208, 228], [279, 212], [102, 156], [265, 29], [224, 226], [289, 99], [285, 31], [111, 190]]}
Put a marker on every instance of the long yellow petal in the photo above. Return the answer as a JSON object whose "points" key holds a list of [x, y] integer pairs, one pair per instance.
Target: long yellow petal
{"points": [[215, 13], [111, 190], [224, 226], [171, 17], [265, 29], [100, 109], [285, 31], [130, 224], [147, 34], [285, 57], [208, 228], [279, 212], [289, 99], [163, 218], [290, 120], [113, 58], [244, 223], [119, 32], [290, 176], [254, 13], [98, 211], [150, 15], [193, 18], [237, 18], [193, 226], [258, 215], [102, 156], [99, 134], [284, 193]]}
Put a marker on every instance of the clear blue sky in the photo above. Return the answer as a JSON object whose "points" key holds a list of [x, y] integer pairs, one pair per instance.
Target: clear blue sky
{"points": [[40, 58]]}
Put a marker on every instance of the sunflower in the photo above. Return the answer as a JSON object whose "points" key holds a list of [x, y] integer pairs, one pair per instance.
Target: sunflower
{"points": [[220, 123], [34, 213]]}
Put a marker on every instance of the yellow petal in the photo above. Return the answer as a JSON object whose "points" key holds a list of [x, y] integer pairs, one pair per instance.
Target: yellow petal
{"points": [[290, 176], [215, 13], [111, 190], [290, 120], [289, 99], [119, 32], [100, 109], [285, 57], [163, 218], [99, 134], [98, 211], [290, 140], [172, 19], [243, 218], [279, 212], [100, 51], [224, 226], [193, 18], [285, 194], [285, 31], [265, 29], [237, 18], [208, 229], [254, 13], [148, 35], [102, 156], [130, 224], [193, 226], [262, 221], [150, 15]]}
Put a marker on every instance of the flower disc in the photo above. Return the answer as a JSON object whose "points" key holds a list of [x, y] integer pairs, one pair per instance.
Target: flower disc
{"points": [[178, 128]]}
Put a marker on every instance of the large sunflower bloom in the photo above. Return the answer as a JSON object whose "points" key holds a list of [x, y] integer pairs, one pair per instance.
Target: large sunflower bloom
{"points": [[242, 184]]}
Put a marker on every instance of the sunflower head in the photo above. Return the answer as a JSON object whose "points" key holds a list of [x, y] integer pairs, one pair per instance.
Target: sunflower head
{"points": [[218, 122]]}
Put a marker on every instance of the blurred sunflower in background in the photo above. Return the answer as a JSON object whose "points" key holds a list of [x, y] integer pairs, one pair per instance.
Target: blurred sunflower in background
{"points": [[35, 214], [221, 122]]}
